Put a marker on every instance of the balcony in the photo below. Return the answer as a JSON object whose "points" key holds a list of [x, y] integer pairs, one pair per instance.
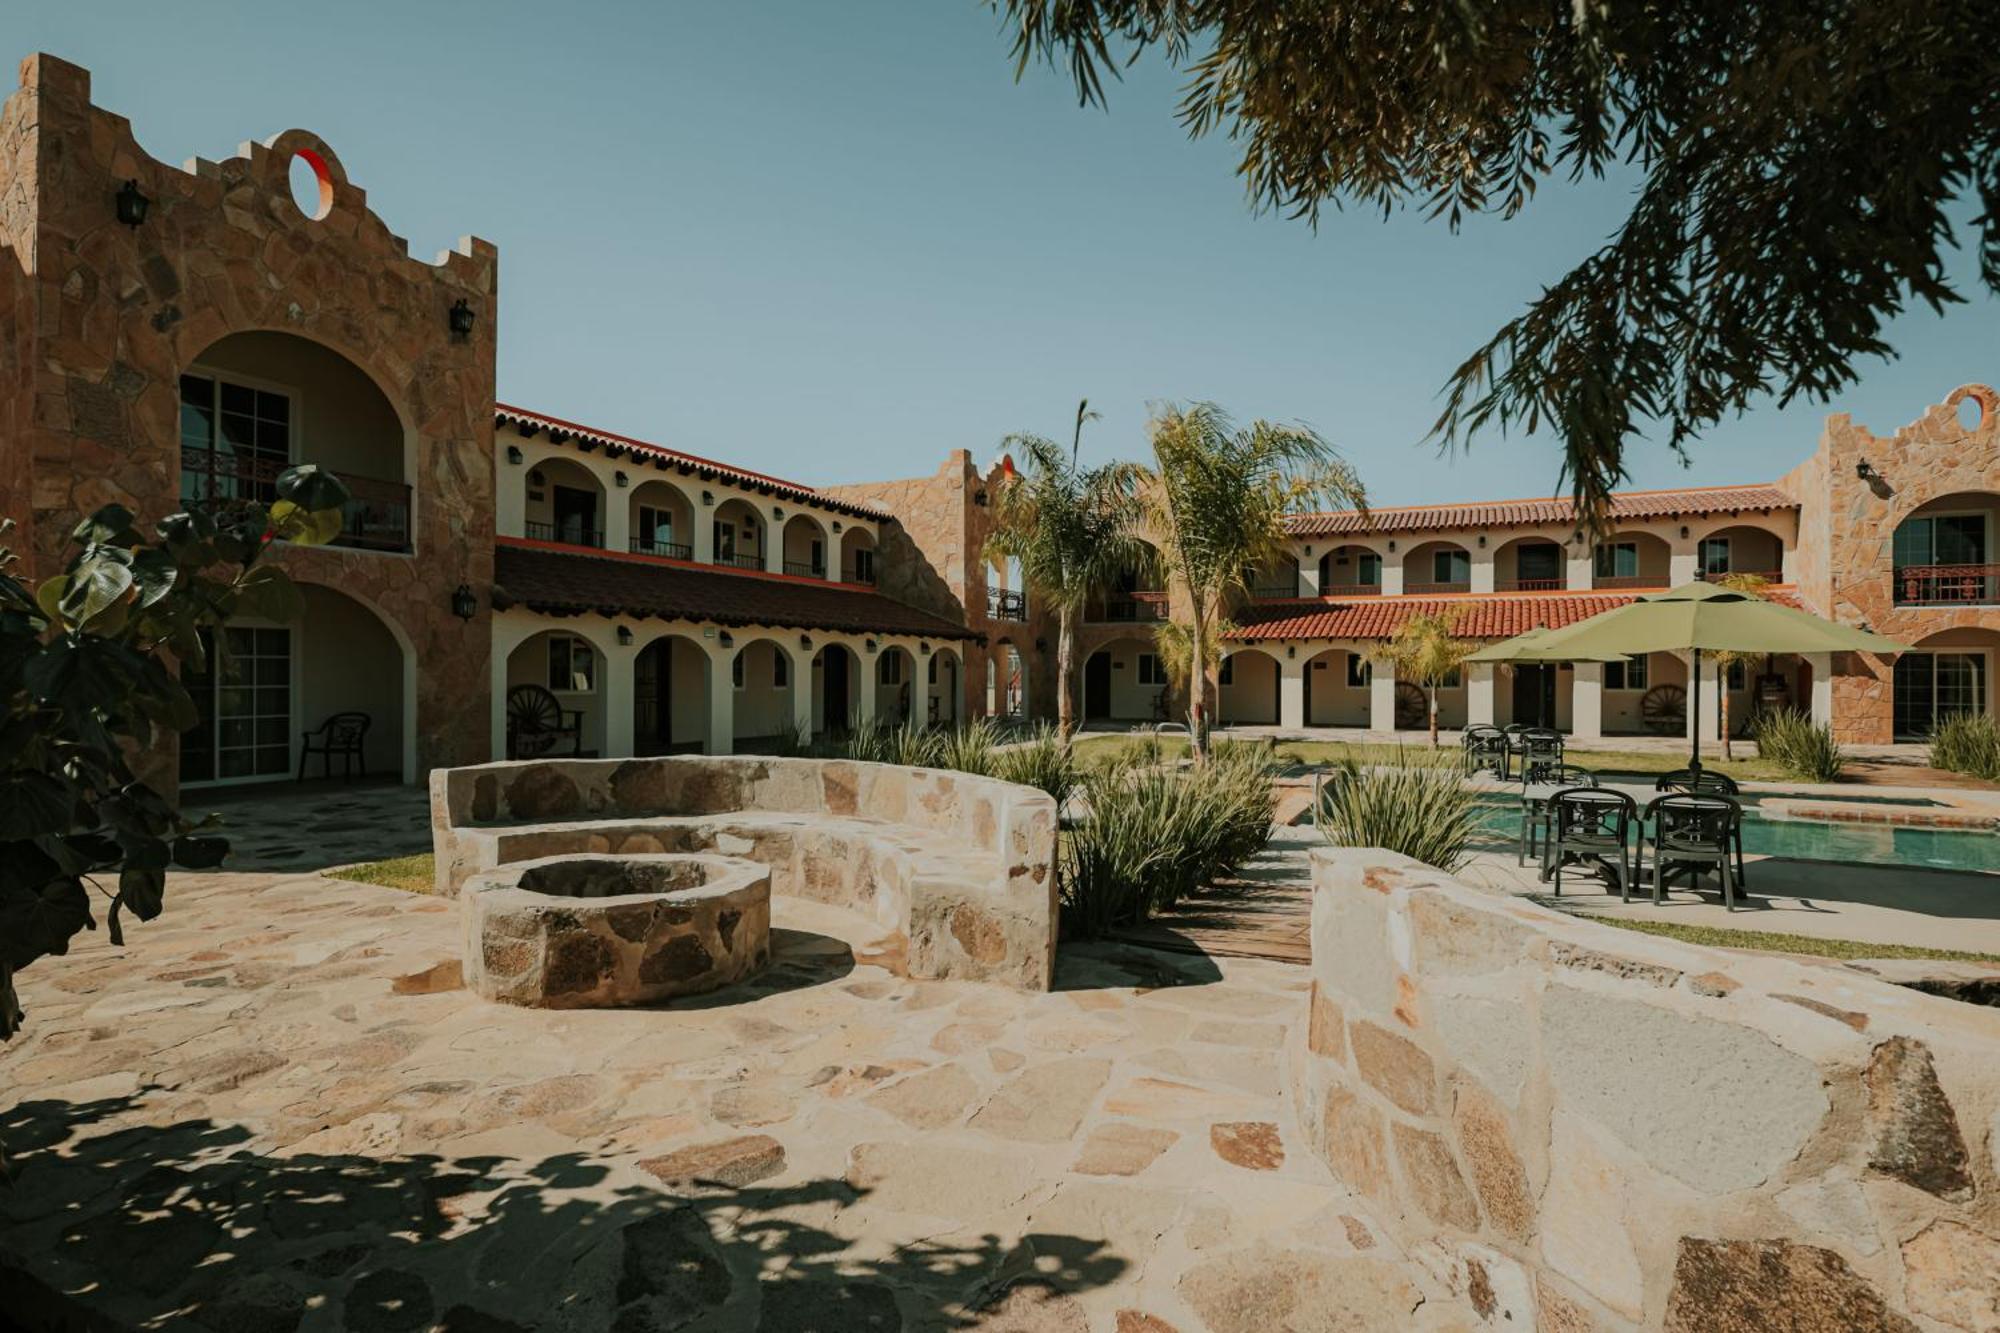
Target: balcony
{"points": [[1947, 585], [1720, 575], [1621, 582], [1275, 592], [753, 562], [1351, 590], [805, 569], [671, 550], [375, 518], [858, 574], [1002, 604], [1141, 605], [569, 534], [1530, 585], [1435, 589]]}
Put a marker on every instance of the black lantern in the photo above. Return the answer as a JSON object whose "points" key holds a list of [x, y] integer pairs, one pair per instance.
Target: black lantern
{"points": [[625, 635], [806, 642], [1865, 470], [463, 604], [728, 640], [461, 319], [514, 454], [622, 480], [132, 204]]}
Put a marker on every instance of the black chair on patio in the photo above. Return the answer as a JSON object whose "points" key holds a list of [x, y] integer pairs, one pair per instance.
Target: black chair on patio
{"points": [[1541, 751], [342, 736], [1594, 824], [1696, 831], [1485, 750], [1711, 783], [1535, 809]]}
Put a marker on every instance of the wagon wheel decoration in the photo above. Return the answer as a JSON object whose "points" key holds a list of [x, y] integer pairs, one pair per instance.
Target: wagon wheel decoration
{"points": [[1664, 710], [1413, 710], [534, 720]]}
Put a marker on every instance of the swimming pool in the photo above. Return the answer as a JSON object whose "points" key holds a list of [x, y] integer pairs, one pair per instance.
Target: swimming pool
{"points": [[1803, 840]]}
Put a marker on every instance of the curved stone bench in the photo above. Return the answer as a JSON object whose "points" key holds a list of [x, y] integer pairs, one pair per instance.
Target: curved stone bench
{"points": [[592, 931], [958, 868]]}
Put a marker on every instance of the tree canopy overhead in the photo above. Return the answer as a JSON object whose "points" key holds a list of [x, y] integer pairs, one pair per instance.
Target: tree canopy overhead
{"points": [[1799, 167]]}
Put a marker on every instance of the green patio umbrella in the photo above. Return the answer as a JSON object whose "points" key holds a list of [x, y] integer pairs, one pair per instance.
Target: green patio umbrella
{"points": [[1530, 648], [1708, 617]]}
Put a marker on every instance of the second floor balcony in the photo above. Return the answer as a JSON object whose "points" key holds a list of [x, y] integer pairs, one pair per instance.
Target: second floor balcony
{"points": [[1947, 585], [1006, 604], [1141, 605], [376, 516]]}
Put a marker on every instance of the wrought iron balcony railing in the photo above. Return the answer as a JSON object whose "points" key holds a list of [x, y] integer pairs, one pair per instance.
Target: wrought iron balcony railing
{"points": [[569, 534], [805, 569], [1947, 585], [1005, 604], [671, 550], [376, 516]]}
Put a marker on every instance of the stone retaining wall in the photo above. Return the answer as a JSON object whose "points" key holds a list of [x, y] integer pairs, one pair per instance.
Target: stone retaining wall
{"points": [[1590, 1128], [960, 867], [572, 932]]}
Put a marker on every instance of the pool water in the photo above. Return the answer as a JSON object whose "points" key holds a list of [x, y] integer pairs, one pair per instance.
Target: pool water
{"points": [[1862, 844]]}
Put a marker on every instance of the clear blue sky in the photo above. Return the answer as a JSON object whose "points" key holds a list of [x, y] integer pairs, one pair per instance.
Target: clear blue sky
{"points": [[834, 240]]}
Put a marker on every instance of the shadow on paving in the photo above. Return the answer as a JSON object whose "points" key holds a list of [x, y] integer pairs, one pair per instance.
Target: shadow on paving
{"points": [[180, 1225]]}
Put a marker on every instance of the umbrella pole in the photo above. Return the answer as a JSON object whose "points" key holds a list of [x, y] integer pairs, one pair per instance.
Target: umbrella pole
{"points": [[1694, 717]]}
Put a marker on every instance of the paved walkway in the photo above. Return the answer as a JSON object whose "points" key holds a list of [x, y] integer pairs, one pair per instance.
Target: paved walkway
{"points": [[275, 1109], [311, 825]]}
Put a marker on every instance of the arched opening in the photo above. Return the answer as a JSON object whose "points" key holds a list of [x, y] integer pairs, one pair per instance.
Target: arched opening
{"points": [[1646, 695], [1350, 571], [941, 670], [836, 684], [1945, 675], [662, 521], [1006, 595], [1124, 681], [1412, 711], [1530, 564], [1014, 671], [1437, 567], [1134, 595], [739, 535], [760, 675], [1337, 689], [1630, 560], [1249, 689], [895, 686], [565, 503], [567, 667], [805, 547], [670, 697], [1276, 582], [857, 556], [1944, 552], [1740, 549], [253, 404]]}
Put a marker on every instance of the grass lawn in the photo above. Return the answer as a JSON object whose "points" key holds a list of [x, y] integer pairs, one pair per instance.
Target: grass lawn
{"points": [[1724, 938], [1105, 748], [413, 874]]}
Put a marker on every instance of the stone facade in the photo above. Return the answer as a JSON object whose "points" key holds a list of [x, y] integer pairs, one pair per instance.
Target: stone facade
{"points": [[101, 319], [958, 869], [1629, 1133], [570, 932], [1847, 523]]}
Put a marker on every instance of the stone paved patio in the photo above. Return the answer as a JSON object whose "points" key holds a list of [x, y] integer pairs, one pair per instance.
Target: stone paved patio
{"points": [[276, 1109]]}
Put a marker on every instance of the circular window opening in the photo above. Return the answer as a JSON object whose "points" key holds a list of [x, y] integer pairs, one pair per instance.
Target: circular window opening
{"points": [[1971, 412], [312, 184]]}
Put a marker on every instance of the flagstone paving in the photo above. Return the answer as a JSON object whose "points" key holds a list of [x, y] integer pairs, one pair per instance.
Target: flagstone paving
{"points": [[276, 1109]]}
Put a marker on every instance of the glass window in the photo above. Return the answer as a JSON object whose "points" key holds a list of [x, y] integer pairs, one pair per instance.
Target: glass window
{"points": [[1150, 670], [1452, 680], [781, 669], [1712, 556], [1227, 674], [1451, 567], [1943, 539], [931, 673], [243, 698], [572, 665], [1539, 563], [725, 540], [1368, 570], [736, 669], [890, 669], [1358, 671], [864, 565], [1630, 674], [656, 527], [1618, 560]]}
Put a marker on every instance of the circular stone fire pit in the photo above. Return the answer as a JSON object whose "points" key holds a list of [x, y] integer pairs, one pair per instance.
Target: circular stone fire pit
{"points": [[589, 931]]}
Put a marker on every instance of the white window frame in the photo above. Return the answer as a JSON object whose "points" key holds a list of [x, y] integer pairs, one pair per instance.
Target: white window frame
{"points": [[1645, 665], [1150, 672], [574, 641], [1612, 548], [295, 683], [1728, 556]]}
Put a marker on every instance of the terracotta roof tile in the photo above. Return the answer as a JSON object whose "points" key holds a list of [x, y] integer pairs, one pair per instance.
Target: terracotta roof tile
{"points": [[1489, 616], [620, 446], [557, 581], [1515, 513]]}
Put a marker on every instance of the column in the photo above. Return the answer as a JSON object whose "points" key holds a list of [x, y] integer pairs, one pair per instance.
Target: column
{"points": [[774, 544], [862, 679], [1392, 575], [1788, 563], [504, 643], [1479, 694], [1586, 702], [1382, 697], [618, 517], [721, 701], [801, 660], [1581, 568], [1680, 563], [703, 537], [1482, 569], [1292, 689], [1821, 704], [1308, 576], [620, 669]]}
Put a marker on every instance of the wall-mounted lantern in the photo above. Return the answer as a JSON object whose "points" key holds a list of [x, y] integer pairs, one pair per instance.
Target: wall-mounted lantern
{"points": [[1392, 545], [463, 604], [728, 639], [1291, 652], [870, 645], [1684, 532], [777, 514], [836, 527], [621, 480], [461, 320], [806, 642], [979, 498], [132, 204], [1482, 541], [1309, 551], [625, 636], [514, 454], [924, 648], [708, 497], [1866, 470]]}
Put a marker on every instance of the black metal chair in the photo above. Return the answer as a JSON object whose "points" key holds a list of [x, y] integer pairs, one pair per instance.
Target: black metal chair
{"points": [[1541, 750], [1535, 811], [1485, 750], [1715, 784], [537, 722], [1695, 831], [1594, 824], [343, 736]]}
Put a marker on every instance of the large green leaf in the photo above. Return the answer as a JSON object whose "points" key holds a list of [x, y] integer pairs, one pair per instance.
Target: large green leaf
{"points": [[41, 919], [196, 851], [305, 527], [35, 804], [312, 488], [111, 523], [265, 593], [97, 581]]}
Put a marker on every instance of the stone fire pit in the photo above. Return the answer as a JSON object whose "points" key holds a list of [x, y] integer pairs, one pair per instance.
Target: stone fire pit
{"points": [[591, 931]]}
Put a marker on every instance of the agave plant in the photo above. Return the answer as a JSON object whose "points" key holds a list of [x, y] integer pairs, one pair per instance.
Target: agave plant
{"points": [[1419, 805]]}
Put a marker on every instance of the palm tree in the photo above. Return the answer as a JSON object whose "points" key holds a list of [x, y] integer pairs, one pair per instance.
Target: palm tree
{"points": [[1423, 650], [1754, 584], [1212, 506], [1070, 529]]}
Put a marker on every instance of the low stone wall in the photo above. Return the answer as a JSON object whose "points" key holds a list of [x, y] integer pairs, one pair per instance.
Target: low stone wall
{"points": [[590, 931], [1589, 1128], [959, 869]]}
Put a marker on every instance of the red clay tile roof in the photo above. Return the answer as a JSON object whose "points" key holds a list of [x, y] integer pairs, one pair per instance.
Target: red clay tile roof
{"points": [[1490, 616], [622, 446], [561, 582], [1511, 513]]}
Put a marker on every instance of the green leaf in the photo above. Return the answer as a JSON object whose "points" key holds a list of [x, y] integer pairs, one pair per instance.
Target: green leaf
{"points": [[34, 804], [311, 488], [41, 919], [305, 527], [49, 597], [97, 580], [111, 523], [200, 851], [268, 594]]}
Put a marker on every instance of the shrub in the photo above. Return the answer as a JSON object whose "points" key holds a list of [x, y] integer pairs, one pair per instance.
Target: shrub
{"points": [[1151, 835], [1417, 805], [1967, 743], [1789, 738], [1042, 761]]}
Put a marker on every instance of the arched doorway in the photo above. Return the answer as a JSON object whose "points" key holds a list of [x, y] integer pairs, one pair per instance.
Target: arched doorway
{"points": [[857, 556], [1632, 559], [895, 686], [1337, 689], [1437, 567], [761, 680], [836, 685], [670, 697], [1249, 689], [569, 664], [942, 671], [805, 547], [565, 503], [662, 521], [1945, 675], [1742, 550], [1350, 571], [1944, 552], [1124, 681], [1530, 564], [739, 535]]}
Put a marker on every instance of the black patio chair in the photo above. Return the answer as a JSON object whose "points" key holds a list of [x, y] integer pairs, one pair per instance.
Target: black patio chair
{"points": [[341, 736], [1541, 750], [1485, 750], [1714, 784], [1594, 824], [1535, 810], [1695, 831]]}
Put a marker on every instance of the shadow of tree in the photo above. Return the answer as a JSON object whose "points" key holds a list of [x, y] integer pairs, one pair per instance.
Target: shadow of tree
{"points": [[181, 1225]]}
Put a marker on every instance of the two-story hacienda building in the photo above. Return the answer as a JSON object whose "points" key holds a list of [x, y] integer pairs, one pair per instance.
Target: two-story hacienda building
{"points": [[170, 334]]}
